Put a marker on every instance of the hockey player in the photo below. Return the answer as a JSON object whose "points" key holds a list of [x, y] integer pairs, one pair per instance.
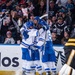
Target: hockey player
{"points": [[28, 34], [69, 46], [30, 49], [36, 48], [48, 55], [38, 44], [45, 42], [69, 50]]}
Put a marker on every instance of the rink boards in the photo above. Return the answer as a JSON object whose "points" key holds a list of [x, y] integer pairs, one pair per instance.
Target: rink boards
{"points": [[10, 59]]}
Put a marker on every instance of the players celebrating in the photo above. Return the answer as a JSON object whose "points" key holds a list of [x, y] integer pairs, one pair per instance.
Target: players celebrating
{"points": [[37, 49]]}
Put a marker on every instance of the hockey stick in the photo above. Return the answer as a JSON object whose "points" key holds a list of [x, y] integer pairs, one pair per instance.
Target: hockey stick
{"points": [[45, 15], [45, 42], [66, 69]]}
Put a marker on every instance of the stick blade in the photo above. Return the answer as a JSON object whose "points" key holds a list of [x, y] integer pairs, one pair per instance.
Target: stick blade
{"points": [[68, 70], [62, 71]]}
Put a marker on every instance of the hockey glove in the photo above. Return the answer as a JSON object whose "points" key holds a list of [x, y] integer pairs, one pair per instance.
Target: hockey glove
{"points": [[25, 34]]}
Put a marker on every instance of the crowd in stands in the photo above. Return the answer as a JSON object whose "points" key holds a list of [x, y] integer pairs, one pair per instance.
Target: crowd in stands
{"points": [[14, 13]]}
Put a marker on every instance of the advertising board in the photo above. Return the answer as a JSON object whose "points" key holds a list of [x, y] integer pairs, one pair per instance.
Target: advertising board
{"points": [[10, 57]]}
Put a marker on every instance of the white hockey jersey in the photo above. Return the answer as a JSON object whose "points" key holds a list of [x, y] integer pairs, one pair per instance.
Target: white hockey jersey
{"points": [[31, 39], [40, 38]]}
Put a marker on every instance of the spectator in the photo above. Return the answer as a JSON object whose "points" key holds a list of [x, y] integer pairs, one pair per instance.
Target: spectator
{"points": [[30, 6], [4, 25], [60, 28], [20, 22], [65, 38], [24, 10], [40, 8], [61, 2], [69, 5], [54, 19], [66, 17], [18, 10], [9, 39], [31, 17], [53, 8], [54, 38], [14, 13], [2, 3], [21, 1], [53, 23], [72, 30], [8, 5], [49, 21]]}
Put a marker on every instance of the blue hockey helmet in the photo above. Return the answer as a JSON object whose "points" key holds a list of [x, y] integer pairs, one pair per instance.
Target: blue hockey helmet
{"points": [[29, 24], [43, 24], [37, 18]]}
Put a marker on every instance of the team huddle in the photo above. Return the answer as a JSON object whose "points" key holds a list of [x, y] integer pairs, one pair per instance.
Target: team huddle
{"points": [[37, 49]]}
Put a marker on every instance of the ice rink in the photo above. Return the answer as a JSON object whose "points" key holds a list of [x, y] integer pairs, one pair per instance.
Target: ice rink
{"points": [[7, 73], [13, 73], [10, 72]]}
